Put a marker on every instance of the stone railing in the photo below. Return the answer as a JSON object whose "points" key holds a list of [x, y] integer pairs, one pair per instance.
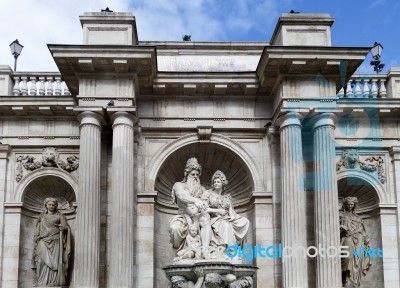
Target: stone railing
{"points": [[367, 86], [39, 83]]}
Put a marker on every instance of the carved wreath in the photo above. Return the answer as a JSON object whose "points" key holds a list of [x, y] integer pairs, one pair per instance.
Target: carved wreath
{"points": [[50, 158], [350, 160]]}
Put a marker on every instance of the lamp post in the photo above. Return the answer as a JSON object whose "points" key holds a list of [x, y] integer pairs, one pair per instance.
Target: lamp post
{"points": [[16, 49], [376, 52]]}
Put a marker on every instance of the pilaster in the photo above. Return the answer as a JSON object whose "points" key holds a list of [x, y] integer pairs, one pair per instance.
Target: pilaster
{"points": [[4, 151], [87, 247], [395, 152], [145, 239], [122, 264], [326, 213], [294, 269]]}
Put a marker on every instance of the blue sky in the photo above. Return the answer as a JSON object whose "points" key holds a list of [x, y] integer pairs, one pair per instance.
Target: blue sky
{"points": [[37, 23]]}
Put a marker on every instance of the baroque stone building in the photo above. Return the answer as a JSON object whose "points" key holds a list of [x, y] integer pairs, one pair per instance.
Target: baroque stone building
{"points": [[289, 124]]}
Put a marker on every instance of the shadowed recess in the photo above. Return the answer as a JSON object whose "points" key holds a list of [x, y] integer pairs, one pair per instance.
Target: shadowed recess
{"points": [[211, 157], [356, 187], [48, 186]]}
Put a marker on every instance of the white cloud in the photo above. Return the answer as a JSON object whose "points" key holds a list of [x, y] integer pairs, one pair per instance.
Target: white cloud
{"points": [[38, 23]]}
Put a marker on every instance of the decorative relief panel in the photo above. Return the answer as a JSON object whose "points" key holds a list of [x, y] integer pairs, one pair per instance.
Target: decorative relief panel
{"points": [[49, 158], [350, 159]]}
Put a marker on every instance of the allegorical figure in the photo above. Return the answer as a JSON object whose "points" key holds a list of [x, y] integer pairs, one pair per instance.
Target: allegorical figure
{"points": [[228, 227], [353, 235], [52, 250], [187, 194]]}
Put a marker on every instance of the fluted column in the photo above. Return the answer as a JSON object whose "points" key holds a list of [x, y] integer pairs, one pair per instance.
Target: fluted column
{"points": [[87, 244], [294, 269], [326, 212], [122, 202]]}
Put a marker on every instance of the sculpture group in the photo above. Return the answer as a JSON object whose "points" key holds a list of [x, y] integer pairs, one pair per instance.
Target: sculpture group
{"points": [[52, 246], [207, 222]]}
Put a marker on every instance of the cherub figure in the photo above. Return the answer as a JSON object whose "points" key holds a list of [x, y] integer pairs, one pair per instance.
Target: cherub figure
{"points": [[192, 245]]}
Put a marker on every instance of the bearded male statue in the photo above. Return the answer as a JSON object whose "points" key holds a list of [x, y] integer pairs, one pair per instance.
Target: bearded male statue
{"points": [[187, 194]]}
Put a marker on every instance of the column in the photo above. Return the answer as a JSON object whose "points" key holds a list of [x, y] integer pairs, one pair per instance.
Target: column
{"points": [[294, 269], [122, 202], [87, 244], [4, 150], [326, 212]]}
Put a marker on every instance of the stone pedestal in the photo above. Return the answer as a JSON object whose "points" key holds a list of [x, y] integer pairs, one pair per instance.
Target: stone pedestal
{"points": [[87, 244], [294, 268], [327, 232], [239, 271]]}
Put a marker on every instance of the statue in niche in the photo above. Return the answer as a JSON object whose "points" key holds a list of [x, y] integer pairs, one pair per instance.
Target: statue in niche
{"points": [[192, 211], [353, 235], [210, 210], [52, 246], [228, 227]]}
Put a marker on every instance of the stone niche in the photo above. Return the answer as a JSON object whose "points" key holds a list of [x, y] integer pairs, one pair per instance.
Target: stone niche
{"points": [[33, 204], [368, 210], [211, 157]]}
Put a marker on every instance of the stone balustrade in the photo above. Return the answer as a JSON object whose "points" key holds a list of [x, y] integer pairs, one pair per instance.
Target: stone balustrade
{"points": [[36, 83], [367, 86]]}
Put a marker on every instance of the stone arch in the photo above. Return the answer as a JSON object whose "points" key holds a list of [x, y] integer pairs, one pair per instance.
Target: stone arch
{"points": [[45, 172], [359, 177], [234, 147]]}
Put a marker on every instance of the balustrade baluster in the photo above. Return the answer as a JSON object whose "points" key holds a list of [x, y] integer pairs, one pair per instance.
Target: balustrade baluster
{"points": [[349, 90], [357, 90], [49, 90], [374, 89], [41, 86], [66, 90], [382, 89], [57, 86], [366, 93], [16, 89], [33, 89], [24, 86], [341, 93]]}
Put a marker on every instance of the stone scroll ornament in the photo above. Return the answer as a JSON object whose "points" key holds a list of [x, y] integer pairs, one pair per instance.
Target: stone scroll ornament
{"points": [[50, 158], [52, 247], [350, 159]]}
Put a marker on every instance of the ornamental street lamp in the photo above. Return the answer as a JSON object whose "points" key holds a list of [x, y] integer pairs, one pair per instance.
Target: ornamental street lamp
{"points": [[376, 52], [16, 49]]}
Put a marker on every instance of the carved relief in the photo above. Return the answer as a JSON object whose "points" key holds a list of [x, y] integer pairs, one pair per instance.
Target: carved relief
{"points": [[50, 158], [350, 159]]}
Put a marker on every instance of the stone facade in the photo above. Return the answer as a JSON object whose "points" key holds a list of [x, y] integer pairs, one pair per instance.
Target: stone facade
{"points": [[294, 131]]}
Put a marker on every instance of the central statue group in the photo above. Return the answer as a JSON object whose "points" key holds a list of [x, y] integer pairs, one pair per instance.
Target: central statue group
{"points": [[206, 223]]}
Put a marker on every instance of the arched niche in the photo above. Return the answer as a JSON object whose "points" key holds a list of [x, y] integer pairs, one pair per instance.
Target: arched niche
{"points": [[211, 157], [369, 193], [249, 160], [36, 188]]}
